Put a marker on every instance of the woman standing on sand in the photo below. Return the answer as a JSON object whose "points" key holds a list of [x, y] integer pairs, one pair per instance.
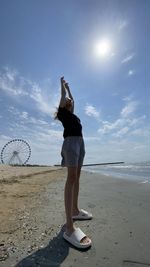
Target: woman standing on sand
{"points": [[72, 157]]}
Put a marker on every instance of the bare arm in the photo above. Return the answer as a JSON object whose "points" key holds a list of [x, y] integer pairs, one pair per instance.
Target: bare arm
{"points": [[68, 90], [63, 93], [70, 95]]}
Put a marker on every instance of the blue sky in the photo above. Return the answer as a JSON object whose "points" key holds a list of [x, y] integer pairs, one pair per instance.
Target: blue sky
{"points": [[43, 40]]}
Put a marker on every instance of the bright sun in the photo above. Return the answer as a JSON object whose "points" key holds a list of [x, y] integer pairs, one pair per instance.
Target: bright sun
{"points": [[103, 48]]}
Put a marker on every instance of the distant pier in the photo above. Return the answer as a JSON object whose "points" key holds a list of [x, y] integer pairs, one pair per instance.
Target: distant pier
{"points": [[104, 163], [97, 164]]}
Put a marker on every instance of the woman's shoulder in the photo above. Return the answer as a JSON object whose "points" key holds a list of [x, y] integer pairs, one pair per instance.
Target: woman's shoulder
{"points": [[62, 109]]}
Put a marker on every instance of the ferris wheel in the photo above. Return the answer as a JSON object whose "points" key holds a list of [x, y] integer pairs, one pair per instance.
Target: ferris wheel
{"points": [[16, 152]]}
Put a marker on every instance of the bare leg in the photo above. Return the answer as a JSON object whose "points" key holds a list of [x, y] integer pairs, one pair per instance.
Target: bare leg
{"points": [[76, 193], [73, 174], [68, 197]]}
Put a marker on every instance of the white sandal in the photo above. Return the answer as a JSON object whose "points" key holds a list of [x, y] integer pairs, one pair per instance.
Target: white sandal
{"points": [[75, 239], [83, 215]]}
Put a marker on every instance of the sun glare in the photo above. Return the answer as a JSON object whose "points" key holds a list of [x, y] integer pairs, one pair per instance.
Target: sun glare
{"points": [[103, 48]]}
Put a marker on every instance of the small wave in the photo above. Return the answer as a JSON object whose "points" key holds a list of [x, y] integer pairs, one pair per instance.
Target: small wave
{"points": [[130, 170]]}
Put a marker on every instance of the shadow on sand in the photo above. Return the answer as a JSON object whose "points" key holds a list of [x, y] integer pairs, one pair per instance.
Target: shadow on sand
{"points": [[51, 256]]}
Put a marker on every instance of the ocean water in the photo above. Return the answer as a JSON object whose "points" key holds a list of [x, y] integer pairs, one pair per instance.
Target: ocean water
{"points": [[137, 171]]}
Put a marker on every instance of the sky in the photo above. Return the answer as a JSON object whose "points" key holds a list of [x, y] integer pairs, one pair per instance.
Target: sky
{"points": [[101, 47]]}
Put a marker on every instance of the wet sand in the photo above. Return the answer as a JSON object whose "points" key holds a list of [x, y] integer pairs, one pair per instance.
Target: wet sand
{"points": [[32, 215]]}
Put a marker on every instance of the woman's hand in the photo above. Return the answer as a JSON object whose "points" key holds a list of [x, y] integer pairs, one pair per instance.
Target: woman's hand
{"points": [[62, 80], [64, 83]]}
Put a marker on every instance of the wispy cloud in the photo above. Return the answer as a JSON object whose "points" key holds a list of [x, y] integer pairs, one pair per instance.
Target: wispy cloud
{"points": [[42, 133], [129, 108], [45, 103], [144, 132], [126, 123], [24, 115], [23, 120], [122, 25], [26, 119], [11, 74], [121, 132], [128, 58], [108, 126], [91, 111], [13, 84]]}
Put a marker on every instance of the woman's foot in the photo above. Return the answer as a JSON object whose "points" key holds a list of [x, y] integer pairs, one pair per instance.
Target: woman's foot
{"points": [[82, 215], [85, 240], [77, 238]]}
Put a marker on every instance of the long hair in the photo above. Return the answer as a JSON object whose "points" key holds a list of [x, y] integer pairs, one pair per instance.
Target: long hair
{"points": [[55, 114]]}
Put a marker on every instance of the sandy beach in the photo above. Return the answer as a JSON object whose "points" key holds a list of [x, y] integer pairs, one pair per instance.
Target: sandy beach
{"points": [[32, 215]]}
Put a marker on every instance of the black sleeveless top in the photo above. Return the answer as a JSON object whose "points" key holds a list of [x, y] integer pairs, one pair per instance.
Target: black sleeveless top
{"points": [[70, 122]]}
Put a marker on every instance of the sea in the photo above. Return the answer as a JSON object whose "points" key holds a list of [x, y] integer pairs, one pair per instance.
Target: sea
{"points": [[133, 171]]}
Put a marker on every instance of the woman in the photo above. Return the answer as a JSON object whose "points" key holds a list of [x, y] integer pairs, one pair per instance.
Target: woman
{"points": [[72, 157]]}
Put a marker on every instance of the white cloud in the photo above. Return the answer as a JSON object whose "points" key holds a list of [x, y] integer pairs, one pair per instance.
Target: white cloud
{"points": [[129, 108], [136, 121], [126, 124], [50, 135], [24, 115], [25, 118], [45, 100], [144, 132], [91, 111], [11, 74], [121, 132], [128, 58], [11, 83], [46, 103], [108, 126]]}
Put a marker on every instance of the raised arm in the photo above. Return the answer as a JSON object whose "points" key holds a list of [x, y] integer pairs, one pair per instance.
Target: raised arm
{"points": [[63, 93], [70, 95], [68, 90]]}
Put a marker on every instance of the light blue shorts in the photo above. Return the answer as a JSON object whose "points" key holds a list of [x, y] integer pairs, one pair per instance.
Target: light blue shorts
{"points": [[73, 151]]}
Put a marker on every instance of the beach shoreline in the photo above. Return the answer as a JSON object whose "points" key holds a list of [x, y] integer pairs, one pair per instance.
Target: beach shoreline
{"points": [[32, 216], [137, 171]]}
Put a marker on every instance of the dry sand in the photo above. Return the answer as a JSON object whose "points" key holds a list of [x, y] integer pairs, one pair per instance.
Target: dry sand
{"points": [[32, 215]]}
